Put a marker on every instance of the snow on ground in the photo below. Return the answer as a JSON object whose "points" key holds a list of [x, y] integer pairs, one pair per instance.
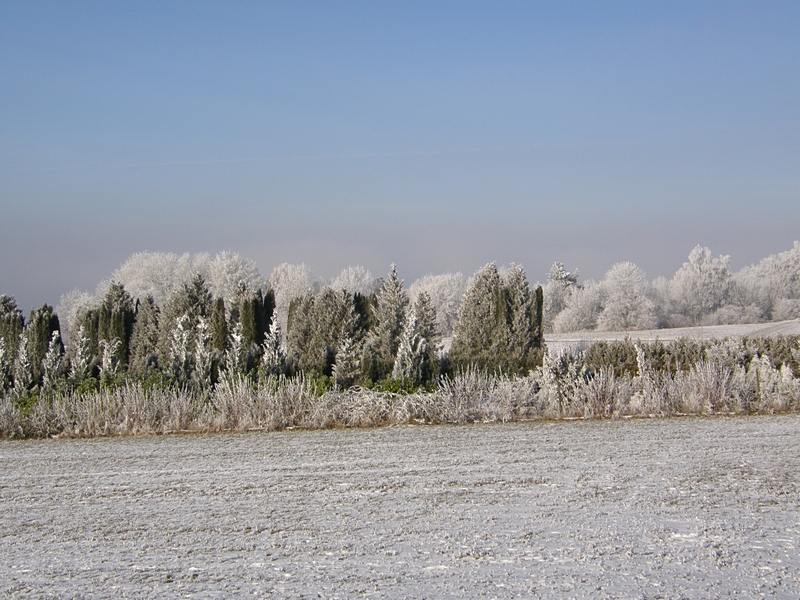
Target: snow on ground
{"points": [[673, 508], [581, 339]]}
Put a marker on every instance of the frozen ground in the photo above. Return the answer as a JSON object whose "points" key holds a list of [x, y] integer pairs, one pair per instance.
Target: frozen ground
{"points": [[673, 508]]}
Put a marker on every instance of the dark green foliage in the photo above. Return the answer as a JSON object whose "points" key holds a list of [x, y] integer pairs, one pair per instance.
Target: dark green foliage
{"points": [[115, 320], [192, 299], [315, 330], [11, 324], [480, 335], [41, 325], [253, 314], [219, 326], [499, 324], [617, 356], [144, 338], [389, 316], [682, 354]]}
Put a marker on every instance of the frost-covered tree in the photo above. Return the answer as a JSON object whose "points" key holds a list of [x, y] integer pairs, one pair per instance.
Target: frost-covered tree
{"points": [[116, 315], [70, 307], [273, 353], [557, 291], [109, 359], [316, 326], [145, 335], [24, 377], [81, 363], [203, 373], [254, 312], [43, 322], [582, 310], [427, 324], [219, 326], [481, 332], [627, 303], [700, 286], [522, 322], [445, 292], [161, 274], [227, 271], [11, 324], [289, 282], [390, 313], [53, 364], [355, 279], [412, 362], [6, 369], [237, 357], [347, 365], [770, 288], [181, 355], [192, 300]]}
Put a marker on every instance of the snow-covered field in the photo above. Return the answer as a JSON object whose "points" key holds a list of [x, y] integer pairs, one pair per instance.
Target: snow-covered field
{"points": [[581, 339], [673, 508]]}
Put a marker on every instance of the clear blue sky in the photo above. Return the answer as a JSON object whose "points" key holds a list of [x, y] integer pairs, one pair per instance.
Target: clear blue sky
{"points": [[440, 136]]}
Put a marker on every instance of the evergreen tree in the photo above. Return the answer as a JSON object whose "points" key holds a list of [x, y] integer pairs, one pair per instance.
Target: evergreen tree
{"points": [[181, 355], [521, 319], [11, 324], [273, 355], [412, 361], [347, 368], [236, 357], [144, 338], [116, 315], [481, 331], [203, 357], [81, 363], [317, 324], [193, 300], [219, 326], [6, 369], [41, 325], [109, 359], [53, 363], [23, 368], [389, 321]]}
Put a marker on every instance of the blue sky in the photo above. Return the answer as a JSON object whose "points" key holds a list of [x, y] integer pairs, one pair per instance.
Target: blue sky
{"points": [[440, 136]]}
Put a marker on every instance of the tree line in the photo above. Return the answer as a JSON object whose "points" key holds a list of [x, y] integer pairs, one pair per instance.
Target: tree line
{"points": [[334, 336]]}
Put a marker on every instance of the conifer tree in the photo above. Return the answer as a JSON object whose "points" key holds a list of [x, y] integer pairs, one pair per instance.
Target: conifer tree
{"points": [[145, 335], [116, 317], [219, 326], [236, 357], [203, 357], [273, 355], [81, 363], [347, 368], [53, 363], [181, 355], [109, 360], [389, 321], [317, 324], [23, 368], [193, 300], [41, 325], [11, 324], [412, 361], [6, 369], [481, 331], [520, 354]]}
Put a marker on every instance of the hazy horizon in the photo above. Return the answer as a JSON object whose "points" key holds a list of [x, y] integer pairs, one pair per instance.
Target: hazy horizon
{"points": [[438, 137]]}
